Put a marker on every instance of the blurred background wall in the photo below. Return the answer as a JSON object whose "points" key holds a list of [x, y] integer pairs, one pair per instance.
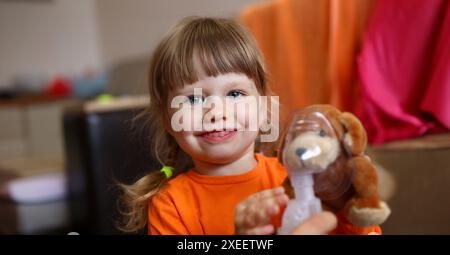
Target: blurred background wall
{"points": [[63, 36], [47, 37]]}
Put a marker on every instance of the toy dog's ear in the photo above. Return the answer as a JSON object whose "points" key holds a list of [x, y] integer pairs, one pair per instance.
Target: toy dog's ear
{"points": [[355, 137]]}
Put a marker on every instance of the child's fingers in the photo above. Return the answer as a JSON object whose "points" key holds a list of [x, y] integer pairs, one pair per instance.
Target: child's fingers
{"points": [[239, 216], [269, 201], [282, 199], [254, 217], [260, 196], [270, 193], [266, 194], [277, 201], [260, 213], [272, 205], [258, 208]]}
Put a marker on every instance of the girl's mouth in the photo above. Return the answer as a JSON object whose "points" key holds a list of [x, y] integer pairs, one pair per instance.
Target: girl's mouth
{"points": [[218, 136]]}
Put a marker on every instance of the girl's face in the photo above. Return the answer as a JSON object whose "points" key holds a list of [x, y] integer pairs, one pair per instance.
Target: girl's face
{"points": [[218, 122]]}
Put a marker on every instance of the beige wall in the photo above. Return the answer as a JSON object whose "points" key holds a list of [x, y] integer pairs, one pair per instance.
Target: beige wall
{"points": [[48, 37], [70, 36], [131, 30]]}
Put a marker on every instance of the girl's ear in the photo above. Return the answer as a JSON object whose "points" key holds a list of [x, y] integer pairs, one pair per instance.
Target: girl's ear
{"points": [[262, 118], [269, 121]]}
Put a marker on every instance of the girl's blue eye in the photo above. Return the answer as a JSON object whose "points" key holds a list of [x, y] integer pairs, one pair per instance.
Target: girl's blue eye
{"points": [[194, 99], [235, 94]]}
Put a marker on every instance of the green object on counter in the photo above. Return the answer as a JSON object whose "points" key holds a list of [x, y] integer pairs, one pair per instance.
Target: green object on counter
{"points": [[105, 98]]}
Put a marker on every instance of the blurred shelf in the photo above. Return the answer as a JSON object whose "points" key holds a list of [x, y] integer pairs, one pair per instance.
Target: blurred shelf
{"points": [[434, 141], [30, 100]]}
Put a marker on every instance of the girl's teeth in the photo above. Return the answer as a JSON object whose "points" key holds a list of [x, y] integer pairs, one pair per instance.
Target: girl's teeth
{"points": [[217, 134]]}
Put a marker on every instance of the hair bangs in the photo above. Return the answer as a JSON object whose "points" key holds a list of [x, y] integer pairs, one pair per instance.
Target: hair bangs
{"points": [[220, 49]]}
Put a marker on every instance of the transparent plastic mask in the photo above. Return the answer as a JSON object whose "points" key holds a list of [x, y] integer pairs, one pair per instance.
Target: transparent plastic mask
{"points": [[313, 147]]}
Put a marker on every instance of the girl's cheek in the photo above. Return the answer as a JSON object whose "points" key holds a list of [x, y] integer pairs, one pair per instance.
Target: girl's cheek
{"points": [[247, 116], [186, 119]]}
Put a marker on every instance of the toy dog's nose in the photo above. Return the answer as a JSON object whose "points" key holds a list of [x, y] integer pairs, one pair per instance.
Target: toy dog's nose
{"points": [[300, 152]]}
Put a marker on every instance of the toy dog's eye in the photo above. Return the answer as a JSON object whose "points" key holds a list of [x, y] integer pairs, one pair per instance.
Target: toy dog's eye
{"points": [[322, 133]]}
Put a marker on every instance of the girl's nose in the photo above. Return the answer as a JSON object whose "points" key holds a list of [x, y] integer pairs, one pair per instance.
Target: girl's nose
{"points": [[216, 112], [216, 115]]}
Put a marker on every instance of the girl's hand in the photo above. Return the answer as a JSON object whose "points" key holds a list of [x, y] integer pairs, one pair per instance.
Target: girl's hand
{"points": [[319, 224], [253, 215]]}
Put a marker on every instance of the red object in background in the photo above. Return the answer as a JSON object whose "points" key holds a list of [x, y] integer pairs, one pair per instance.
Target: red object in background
{"points": [[404, 69], [60, 86]]}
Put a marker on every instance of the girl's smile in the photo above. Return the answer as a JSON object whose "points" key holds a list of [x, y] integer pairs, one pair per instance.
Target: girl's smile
{"points": [[218, 136]]}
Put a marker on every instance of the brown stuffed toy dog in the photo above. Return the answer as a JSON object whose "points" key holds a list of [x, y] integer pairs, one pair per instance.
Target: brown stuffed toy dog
{"points": [[351, 188]]}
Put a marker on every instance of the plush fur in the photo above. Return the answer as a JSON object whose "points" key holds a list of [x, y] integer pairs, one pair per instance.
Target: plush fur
{"points": [[360, 201]]}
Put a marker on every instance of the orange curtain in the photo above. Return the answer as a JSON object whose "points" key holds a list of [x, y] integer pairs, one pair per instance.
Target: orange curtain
{"points": [[310, 48]]}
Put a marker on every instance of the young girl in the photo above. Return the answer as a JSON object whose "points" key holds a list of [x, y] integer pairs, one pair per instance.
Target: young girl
{"points": [[213, 181]]}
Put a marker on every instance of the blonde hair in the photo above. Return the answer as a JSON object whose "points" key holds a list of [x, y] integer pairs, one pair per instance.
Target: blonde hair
{"points": [[222, 46]]}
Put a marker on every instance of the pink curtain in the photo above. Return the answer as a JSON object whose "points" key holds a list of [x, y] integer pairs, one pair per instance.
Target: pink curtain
{"points": [[404, 68]]}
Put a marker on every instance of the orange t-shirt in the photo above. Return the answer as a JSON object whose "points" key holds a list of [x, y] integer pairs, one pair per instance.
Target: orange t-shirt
{"points": [[193, 204]]}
